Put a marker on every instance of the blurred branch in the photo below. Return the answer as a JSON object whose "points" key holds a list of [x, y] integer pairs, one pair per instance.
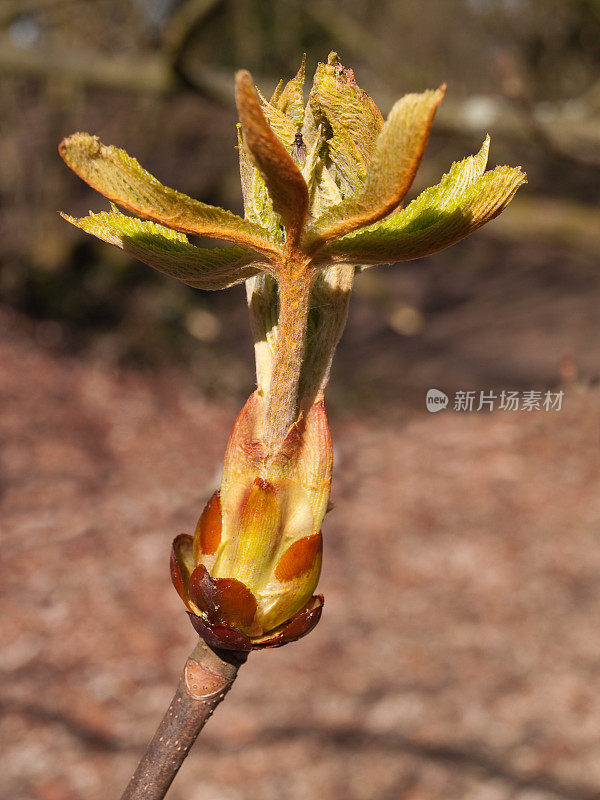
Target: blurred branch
{"points": [[184, 21], [345, 30], [144, 73], [513, 85], [206, 679], [178, 34], [153, 73], [11, 9]]}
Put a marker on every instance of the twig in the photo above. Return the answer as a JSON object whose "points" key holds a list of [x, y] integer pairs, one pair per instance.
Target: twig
{"points": [[206, 679]]}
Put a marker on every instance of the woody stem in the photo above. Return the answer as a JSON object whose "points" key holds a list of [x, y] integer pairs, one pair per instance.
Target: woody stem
{"points": [[206, 679], [282, 400]]}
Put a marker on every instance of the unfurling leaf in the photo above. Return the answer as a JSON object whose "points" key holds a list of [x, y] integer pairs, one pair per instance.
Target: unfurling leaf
{"points": [[119, 177], [284, 180], [352, 121], [463, 201], [291, 100], [170, 252], [282, 126], [396, 158]]}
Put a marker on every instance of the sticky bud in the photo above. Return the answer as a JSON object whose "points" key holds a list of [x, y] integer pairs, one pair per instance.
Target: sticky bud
{"points": [[250, 572]]}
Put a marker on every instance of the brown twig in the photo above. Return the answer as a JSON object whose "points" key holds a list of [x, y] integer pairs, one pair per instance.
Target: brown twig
{"points": [[206, 679]]}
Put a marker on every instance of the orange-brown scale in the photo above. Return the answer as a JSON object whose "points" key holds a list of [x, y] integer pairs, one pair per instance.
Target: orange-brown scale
{"points": [[207, 537], [181, 562], [301, 624], [220, 636], [222, 599], [224, 635], [299, 558]]}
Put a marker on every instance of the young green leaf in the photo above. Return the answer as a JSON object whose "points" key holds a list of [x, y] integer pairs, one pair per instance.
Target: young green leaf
{"points": [[284, 180], [282, 126], [119, 177], [170, 252], [291, 100], [351, 117], [436, 219], [395, 161]]}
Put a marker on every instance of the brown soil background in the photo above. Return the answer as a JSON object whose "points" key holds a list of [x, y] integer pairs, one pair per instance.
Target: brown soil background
{"points": [[458, 652]]}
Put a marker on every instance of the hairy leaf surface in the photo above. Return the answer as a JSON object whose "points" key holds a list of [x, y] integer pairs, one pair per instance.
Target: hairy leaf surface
{"points": [[170, 252], [120, 178]]}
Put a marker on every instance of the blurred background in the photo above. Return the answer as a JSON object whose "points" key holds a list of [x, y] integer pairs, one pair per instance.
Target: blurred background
{"points": [[458, 653]]}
